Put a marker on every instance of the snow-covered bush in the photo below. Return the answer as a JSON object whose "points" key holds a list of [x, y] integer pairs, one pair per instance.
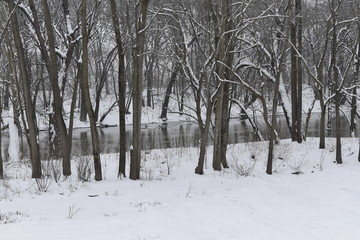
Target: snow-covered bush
{"points": [[11, 217], [297, 164], [156, 164], [167, 162], [56, 169], [146, 171], [281, 156], [254, 149], [243, 167], [45, 181]]}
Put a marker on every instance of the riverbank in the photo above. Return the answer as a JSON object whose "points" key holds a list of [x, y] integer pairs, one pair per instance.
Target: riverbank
{"points": [[308, 197]]}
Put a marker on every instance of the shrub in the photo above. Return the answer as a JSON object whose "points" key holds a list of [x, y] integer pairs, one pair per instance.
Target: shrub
{"points": [[243, 168], [84, 168]]}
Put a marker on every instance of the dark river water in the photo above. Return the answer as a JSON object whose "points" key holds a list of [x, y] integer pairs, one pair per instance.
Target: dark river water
{"points": [[175, 134]]}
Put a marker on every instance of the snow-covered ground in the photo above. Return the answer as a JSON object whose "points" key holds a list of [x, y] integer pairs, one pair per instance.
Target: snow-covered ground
{"points": [[321, 202]]}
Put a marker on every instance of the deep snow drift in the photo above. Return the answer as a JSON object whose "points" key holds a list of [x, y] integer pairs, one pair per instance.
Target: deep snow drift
{"points": [[320, 202]]}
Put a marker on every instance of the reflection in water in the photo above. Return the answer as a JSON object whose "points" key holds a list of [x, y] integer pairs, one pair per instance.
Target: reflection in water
{"points": [[175, 135], [84, 143]]}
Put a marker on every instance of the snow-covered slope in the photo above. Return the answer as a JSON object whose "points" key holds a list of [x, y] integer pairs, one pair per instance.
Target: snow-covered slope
{"points": [[320, 202]]}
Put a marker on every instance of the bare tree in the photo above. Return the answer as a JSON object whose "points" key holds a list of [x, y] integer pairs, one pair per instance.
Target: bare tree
{"points": [[224, 44], [32, 132], [85, 87], [296, 69], [122, 88], [137, 77]]}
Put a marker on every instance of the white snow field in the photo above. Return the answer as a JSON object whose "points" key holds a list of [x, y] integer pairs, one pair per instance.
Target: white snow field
{"points": [[321, 202]]}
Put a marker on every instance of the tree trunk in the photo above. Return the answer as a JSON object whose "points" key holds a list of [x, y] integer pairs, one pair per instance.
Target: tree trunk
{"points": [[338, 124], [272, 137], [51, 62], [217, 131], [86, 92], [299, 20], [83, 111], [165, 105], [72, 113], [358, 66], [149, 79], [224, 44], [356, 81], [322, 121], [269, 164], [1, 158], [205, 131], [141, 12], [55, 150], [218, 101], [16, 92], [122, 90], [336, 83], [353, 110], [225, 124], [204, 138], [29, 108], [294, 71], [102, 70]]}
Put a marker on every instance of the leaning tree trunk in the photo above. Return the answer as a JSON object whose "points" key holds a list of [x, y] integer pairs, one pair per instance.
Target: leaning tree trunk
{"points": [[353, 110], [205, 132], [86, 91], [149, 78], [29, 108], [47, 48], [170, 85]]}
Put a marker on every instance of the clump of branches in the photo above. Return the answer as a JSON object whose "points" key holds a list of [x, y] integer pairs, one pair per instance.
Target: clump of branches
{"points": [[56, 169], [84, 168], [281, 156], [46, 179], [72, 211], [244, 168], [11, 217], [297, 165], [254, 149]]}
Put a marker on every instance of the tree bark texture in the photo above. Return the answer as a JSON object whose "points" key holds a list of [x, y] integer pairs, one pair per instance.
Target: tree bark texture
{"points": [[122, 89], [224, 47], [170, 85], [138, 62], [51, 62], [1, 158], [293, 72], [299, 20], [336, 82], [29, 108], [86, 92]]}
